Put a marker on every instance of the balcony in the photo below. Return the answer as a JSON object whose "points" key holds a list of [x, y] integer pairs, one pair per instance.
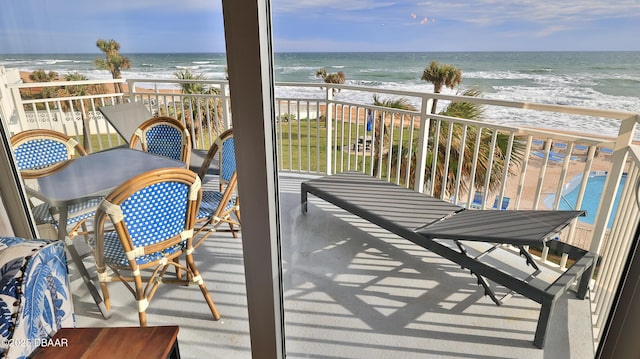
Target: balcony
{"points": [[351, 285], [351, 290]]}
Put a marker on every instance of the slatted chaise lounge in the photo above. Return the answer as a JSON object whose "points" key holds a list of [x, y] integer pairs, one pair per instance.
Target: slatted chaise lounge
{"points": [[435, 225]]}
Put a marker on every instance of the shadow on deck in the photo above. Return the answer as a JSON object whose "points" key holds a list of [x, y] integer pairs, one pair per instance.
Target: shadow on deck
{"points": [[351, 290]]}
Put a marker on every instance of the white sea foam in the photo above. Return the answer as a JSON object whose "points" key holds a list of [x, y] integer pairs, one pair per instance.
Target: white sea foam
{"points": [[598, 80]]}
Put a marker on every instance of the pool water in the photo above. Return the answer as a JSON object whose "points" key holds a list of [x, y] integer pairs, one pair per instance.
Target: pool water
{"points": [[591, 200]]}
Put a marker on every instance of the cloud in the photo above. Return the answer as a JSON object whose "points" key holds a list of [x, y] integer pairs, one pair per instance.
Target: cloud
{"points": [[550, 30], [120, 6], [330, 5], [490, 12]]}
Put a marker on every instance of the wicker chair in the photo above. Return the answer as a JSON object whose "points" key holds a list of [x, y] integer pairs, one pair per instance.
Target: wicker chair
{"points": [[42, 152], [142, 240], [164, 136], [219, 206]]}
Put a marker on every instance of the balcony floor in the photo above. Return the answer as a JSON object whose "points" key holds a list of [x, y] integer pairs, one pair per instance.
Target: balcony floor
{"points": [[351, 290]]}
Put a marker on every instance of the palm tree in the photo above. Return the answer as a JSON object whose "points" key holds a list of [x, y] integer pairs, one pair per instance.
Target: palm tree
{"points": [[381, 128], [472, 111], [43, 76], [113, 61], [441, 75], [200, 107], [331, 78]]}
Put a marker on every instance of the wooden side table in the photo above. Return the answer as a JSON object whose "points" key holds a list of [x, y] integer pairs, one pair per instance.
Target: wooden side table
{"points": [[119, 342]]}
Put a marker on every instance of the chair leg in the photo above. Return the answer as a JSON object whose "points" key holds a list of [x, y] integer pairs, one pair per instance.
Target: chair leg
{"points": [[85, 231], [141, 301], [203, 287], [234, 233], [105, 295], [142, 317], [176, 260]]}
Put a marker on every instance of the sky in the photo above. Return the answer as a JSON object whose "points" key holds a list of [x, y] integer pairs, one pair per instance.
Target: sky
{"points": [[147, 26]]}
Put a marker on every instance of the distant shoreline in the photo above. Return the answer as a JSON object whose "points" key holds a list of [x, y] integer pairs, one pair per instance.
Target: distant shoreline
{"points": [[99, 54]]}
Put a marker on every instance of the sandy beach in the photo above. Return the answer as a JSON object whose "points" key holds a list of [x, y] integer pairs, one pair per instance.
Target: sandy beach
{"points": [[110, 88]]}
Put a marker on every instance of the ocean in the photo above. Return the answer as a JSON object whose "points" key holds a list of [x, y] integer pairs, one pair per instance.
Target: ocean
{"points": [[606, 80]]}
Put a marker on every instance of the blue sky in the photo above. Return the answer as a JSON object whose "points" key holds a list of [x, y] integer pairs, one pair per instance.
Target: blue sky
{"points": [[73, 26]]}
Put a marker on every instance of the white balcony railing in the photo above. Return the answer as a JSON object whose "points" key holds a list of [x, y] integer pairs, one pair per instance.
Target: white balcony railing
{"points": [[320, 133]]}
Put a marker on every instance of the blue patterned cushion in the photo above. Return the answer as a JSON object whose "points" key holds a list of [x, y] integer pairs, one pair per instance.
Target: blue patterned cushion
{"points": [[34, 294], [165, 140], [210, 202], [40, 153]]}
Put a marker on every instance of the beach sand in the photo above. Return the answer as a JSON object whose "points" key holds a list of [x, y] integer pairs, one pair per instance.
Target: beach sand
{"points": [[110, 88]]}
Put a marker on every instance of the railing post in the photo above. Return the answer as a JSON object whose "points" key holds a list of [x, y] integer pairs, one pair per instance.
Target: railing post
{"points": [[6, 106], [225, 106], [132, 90], [618, 159], [329, 125], [10, 77], [423, 141]]}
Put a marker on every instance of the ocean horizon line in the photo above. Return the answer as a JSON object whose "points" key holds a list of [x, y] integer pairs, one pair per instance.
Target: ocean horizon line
{"points": [[601, 79], [337, 52]]}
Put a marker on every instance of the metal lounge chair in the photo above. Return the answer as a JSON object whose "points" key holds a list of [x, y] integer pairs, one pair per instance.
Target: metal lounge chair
{"points": [[126, 117], [142, 240], [42, 152], [164, 136], [427, 221], [219, 206]]}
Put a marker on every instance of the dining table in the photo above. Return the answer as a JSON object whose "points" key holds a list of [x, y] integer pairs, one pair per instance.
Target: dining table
{"points": [[86, 177]]}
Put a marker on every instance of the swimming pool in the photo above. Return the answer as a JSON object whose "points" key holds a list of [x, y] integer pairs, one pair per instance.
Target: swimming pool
{"points": [[591, 200]]}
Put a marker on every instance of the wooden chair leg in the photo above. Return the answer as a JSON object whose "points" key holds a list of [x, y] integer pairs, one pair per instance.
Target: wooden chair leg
{"points": [[234, 233], [176, 260], [141, 300], [105, 295], [203, 287], [142, 317], [210, 303]]}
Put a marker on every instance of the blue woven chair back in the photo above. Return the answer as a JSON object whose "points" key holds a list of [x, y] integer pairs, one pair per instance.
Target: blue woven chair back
{"points": [[156, 213], [228, 160], [40, 153], [165, 140]]}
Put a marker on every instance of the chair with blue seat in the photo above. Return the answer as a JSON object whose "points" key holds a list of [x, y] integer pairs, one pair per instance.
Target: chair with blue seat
{"points": [[505, 203], [164, 136], [143, 241], [478, 200], [41, 152], [221, 205]]}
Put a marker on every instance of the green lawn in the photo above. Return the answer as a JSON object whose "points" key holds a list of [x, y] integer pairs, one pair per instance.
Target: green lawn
{"points": [[302, 145]]}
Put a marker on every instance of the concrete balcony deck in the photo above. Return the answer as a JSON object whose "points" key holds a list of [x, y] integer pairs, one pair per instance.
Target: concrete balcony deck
{"points": [[351, 290]]}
